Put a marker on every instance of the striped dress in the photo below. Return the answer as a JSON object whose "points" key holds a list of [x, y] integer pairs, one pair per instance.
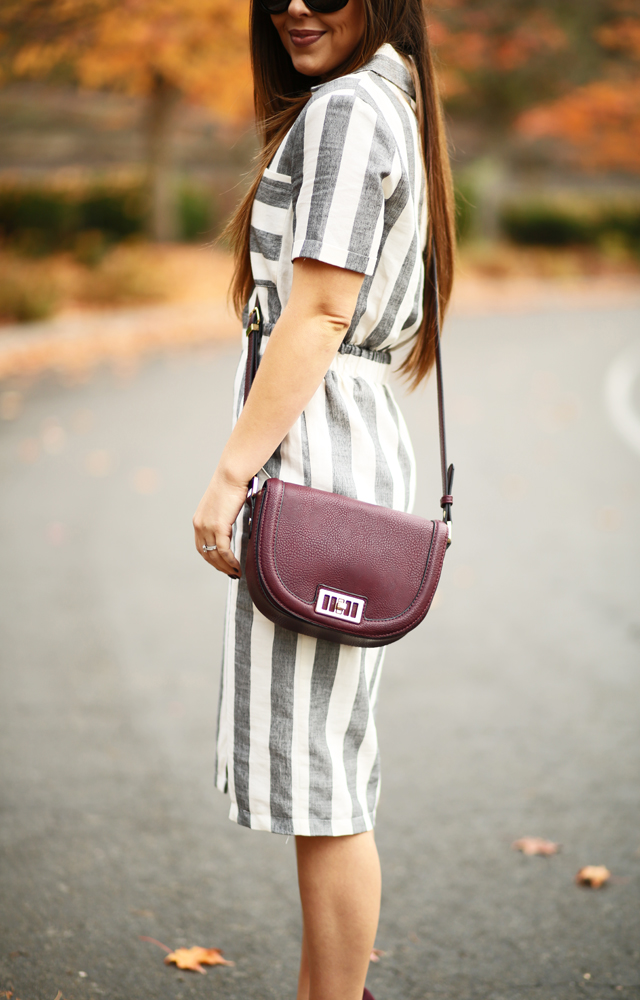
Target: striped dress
{"points": [[297, 747]]}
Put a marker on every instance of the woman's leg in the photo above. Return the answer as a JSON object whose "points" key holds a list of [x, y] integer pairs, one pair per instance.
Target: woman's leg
{"points": [[339, 880]]}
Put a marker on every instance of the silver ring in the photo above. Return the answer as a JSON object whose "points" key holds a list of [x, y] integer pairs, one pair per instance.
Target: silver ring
{"points": [[209, 548]]}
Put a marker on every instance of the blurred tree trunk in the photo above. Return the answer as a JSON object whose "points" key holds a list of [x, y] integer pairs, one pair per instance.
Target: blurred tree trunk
{"points": [[163, 216]]}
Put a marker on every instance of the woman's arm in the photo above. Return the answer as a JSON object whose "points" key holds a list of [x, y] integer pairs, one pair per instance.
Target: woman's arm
{"points": [[298, 354]]}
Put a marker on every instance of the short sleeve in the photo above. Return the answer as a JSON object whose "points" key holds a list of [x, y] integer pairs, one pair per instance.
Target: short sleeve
{"points": [[342, 159]]}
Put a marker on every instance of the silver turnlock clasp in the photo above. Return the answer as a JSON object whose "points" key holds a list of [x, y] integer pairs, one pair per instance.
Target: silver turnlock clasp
{"points": [[337, 605]]}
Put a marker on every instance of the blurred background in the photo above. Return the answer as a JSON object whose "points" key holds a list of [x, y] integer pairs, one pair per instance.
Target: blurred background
{"points": [[125, 127], [126, 139]]}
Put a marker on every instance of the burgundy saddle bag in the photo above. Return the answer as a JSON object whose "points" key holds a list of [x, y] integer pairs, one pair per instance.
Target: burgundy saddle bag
{"points": [[335, 568]]}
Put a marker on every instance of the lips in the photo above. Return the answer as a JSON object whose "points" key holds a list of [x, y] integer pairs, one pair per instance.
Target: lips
{"points": [[303, 38]]}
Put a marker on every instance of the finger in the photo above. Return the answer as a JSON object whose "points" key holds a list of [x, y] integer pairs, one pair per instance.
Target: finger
{"points": [[201, 539], [227, 558], [204, 545], [206, 551], [221, 558], [223, 566], [224, 553]]}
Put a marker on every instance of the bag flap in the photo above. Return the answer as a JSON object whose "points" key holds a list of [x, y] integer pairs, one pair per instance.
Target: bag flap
{"points": [[310, 540]]}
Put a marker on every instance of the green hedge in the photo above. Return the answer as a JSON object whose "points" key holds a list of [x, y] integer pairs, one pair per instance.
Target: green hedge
{"points": [[557, 223], [40, 220]]}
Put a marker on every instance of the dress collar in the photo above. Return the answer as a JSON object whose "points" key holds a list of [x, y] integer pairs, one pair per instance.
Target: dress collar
{"points": [[390, 65]]}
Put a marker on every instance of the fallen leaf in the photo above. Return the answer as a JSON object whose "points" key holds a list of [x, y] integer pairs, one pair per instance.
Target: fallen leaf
{"points": [[593, 876], [376, 955], [194, 958], [535, 845], [190, 958]]}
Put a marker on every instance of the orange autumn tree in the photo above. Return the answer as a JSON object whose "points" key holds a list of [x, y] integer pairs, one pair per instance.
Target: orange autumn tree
{"points": [[601, 119], [163, 50], [569, 69], [496, 57]]}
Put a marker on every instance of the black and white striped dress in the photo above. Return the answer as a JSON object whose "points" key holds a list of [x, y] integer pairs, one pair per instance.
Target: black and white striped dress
{"points": [[297, 748]]}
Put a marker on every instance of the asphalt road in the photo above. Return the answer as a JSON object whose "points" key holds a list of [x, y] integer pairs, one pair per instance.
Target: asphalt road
{"points": [[513, 710]]}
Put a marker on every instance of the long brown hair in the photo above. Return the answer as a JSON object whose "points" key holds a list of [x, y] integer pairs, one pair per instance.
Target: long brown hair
{"points": [[280, 93]]}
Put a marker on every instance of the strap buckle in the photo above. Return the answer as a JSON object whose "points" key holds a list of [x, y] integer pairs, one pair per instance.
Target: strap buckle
{"points": [[255, 319], [447, 500]]}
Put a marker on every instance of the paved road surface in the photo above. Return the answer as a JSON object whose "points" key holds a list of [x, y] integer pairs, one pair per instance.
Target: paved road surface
{"points": [[514, 710]]}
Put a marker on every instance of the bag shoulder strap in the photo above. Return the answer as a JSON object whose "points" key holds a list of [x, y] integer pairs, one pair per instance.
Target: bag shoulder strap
{"points": [[446, 472], [254, 334]]}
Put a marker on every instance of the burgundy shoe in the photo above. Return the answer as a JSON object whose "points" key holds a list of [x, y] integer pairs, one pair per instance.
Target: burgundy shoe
{"points": [[366, 995]]}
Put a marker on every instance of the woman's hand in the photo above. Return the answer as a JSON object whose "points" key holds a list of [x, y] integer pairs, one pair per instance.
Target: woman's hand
{"points": [[214, 519]]}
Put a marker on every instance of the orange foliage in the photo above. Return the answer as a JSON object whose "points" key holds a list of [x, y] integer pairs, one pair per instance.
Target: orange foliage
{"points": [[600, 120], [473, 40], [200, 47], [622, 36]]}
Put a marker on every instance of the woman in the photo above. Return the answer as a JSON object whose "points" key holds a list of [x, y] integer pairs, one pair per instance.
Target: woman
{"points": [[331, 242]]}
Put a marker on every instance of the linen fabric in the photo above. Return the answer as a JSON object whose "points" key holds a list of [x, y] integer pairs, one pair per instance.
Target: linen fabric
{"points": [[297, 746]]}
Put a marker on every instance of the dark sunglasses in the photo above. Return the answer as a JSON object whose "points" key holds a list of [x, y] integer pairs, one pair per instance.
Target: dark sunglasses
{"points": [[319, 6]]}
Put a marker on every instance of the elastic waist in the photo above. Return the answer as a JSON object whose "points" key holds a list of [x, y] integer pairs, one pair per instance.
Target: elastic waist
{"points": [[380, 357]]}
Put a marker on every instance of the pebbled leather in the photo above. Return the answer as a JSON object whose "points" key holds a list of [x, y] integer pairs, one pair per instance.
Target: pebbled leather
{"points": [[304, 539]]}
